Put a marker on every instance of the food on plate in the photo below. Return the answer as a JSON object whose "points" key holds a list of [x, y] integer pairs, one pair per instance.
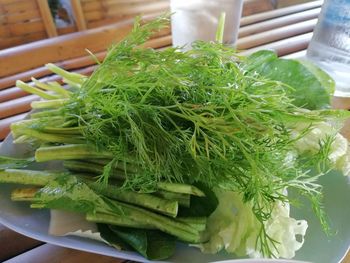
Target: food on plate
{"points": [[202, 147]]}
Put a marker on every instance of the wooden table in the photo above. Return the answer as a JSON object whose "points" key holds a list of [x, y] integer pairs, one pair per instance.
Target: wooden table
{"points": [[287, 31]]}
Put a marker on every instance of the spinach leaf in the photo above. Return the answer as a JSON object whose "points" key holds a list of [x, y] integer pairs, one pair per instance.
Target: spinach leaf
{"points": [[114, 240], [311, 87], [152, 244]]}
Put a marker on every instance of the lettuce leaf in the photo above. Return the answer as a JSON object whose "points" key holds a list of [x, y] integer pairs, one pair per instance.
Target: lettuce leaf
{"points": [[234, 227]]}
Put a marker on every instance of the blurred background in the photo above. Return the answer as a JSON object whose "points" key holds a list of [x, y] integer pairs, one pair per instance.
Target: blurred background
{"points": [[24, 21]]}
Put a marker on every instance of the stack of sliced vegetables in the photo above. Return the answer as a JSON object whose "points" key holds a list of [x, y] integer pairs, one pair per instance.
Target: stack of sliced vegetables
{"points": [[199, 146]]}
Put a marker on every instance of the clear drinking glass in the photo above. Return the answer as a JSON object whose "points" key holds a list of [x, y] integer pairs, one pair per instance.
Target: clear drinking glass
{"points": [[330, 44], [198, 20]]}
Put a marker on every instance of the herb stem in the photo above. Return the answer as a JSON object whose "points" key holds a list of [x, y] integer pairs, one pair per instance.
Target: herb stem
{"points": [[180, 188], [69, 152], [27, 177]]}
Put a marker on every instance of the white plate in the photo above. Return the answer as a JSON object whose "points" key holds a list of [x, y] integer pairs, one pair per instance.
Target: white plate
{"points": [[317, 248]]}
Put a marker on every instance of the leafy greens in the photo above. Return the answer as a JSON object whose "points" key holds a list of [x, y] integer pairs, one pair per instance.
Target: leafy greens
{"points": [[207, 117]]}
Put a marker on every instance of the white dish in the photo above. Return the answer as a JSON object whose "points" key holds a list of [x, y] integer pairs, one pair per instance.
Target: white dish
{"points": [[317, 248]]}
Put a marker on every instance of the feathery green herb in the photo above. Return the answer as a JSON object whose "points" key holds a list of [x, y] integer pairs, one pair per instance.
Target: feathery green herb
{"points": [[206, 116]]}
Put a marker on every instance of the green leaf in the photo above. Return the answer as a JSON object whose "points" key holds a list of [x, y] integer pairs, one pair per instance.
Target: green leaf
{"points": [[259, 58], [13, 163], [66, 192], [321, 75], [113, 239], [200, 206], [312, 88], [152, 244]]}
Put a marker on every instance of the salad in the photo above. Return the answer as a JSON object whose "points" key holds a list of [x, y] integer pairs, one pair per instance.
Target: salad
{"points": [[200, 147]]}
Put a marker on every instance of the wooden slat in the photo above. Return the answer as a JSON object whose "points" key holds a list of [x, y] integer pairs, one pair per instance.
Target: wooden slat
{"points": [[20, 17], [11, 242], [5, 2], [4, 31], [16, 106], [78, 14], [137, 9], [256, 6], [21, 6], [19, 40], [295, 55], [276, 34], [116, 19], [4, 131], [47, 19], [2, 11], [11, 93], [25, 76], [67, 30], [50, 253], [160, 42], [60, 48], [94, 15], [279, 12], [285, 46], [91, 6], [115, 11], [25, 28], [110, 2], [278, 22]]}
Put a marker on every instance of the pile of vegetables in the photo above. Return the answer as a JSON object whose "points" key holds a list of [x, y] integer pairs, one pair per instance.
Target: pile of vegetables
{"points": [[199, 146]]}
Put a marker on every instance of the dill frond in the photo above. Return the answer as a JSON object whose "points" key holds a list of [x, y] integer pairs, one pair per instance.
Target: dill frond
{"points": [[196, 116]]}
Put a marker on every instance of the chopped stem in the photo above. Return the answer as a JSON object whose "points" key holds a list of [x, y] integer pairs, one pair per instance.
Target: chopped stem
{"points": [[129, 167], [180, 188], [33, 90], [69, 152], [45, 113], [221, 27], [27, 177], [80, 166], [71, 76], [24, 194], [52, 86], [50, 137], [48, 104], [198, 223], [66, 131], [22, 139], [182, 199], [149, 201], [113, 219], [181, 230]]}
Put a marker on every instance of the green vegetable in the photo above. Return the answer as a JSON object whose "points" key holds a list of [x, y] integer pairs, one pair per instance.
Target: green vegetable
{"points": [[311, 87], [151, 244], [68, 193], [68, 152], [181, 125], [200, 206], [12, 163], [152, 202], [182, 199], [112, 238], [29, 177]]}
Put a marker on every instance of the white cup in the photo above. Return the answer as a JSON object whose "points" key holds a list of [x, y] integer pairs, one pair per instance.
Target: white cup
{"points": [[198, 20]]}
